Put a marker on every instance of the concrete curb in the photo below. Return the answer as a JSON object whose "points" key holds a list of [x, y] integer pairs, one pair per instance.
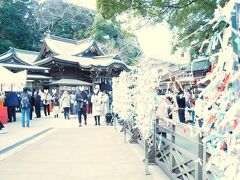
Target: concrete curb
{"points": [[9, 148]]}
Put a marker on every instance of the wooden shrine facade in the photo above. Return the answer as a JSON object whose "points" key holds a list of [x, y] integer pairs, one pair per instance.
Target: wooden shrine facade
{"points": [[79, 60], [64, 59]]}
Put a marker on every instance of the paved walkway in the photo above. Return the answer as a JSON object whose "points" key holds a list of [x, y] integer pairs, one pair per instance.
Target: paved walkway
{"points": [[69, 152]]}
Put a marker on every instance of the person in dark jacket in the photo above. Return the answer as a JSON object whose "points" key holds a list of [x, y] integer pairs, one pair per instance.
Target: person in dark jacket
{"points": [[81, 98], [181, 102], [89, 103], [37, 99], [11, 102], [32, 103]]}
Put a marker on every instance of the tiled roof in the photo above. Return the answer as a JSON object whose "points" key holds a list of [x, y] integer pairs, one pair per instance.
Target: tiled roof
{"points": [[68, 47], [27, 56], [18, 66], [24, 56], [74, 82], [36, 76], [198, 65], [84, 53], [88, 62]]}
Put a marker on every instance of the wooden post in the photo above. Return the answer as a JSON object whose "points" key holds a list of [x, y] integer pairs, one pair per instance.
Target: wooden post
{"points": [[146, 157]]}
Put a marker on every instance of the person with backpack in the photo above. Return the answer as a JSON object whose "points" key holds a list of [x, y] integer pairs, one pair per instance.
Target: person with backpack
{"points": [[25, 107]]}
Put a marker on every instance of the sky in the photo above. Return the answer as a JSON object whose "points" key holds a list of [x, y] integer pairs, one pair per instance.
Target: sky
{"points": [[154, 40]]}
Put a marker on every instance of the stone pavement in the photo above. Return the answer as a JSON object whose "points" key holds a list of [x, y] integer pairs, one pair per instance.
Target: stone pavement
{"points": [[69, 152], [16, 133]]}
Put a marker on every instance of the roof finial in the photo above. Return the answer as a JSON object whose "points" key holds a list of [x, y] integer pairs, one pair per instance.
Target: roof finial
{"points": [[12, 49], [47, 33]]}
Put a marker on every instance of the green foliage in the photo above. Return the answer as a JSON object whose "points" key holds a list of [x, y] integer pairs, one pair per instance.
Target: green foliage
{"points": [[24, 22], [63, 19], [103, 30], [114, 40], [14, 29], [184, 16]]}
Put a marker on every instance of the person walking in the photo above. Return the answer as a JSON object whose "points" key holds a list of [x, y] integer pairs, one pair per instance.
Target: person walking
{"points": [[181, 102], [65, 104], [32, 103], [105, 106], [169, 103], [55, 99], [89, 104], [72, 106], [25, 107], [81, 98], [46, 102], [192, 105], [37, 100], [96, 105], [11, 102]]}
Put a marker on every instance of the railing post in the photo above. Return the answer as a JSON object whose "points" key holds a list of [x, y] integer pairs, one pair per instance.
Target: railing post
{"points": [[125, 131], [146, 157], [152, 154], [204, 172], [198, 166], [172, 162], [154, 138]]}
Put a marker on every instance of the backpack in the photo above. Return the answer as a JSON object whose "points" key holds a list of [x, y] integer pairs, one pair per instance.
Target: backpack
{"points": [[25, 101]]}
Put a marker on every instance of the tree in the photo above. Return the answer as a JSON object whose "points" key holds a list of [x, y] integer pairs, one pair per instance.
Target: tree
{"points": [[24, 22], [183, 16], [114, 40], [14, 27], [63, 19]]}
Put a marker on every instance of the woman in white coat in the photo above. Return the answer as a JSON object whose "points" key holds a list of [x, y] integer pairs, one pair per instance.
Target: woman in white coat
{"points": [[96, 105], [105, 105], [65, 104]]}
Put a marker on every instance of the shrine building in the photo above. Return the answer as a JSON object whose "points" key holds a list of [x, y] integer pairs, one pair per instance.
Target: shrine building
{"points": [[65, 64]]}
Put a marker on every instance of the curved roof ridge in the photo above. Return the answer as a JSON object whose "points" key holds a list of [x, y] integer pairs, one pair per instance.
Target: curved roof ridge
{"points": [[73, 41], [5, 53], [84, 40], [62, 39], [12, 53], [105, 56], [98, 48], [27, 51]]}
